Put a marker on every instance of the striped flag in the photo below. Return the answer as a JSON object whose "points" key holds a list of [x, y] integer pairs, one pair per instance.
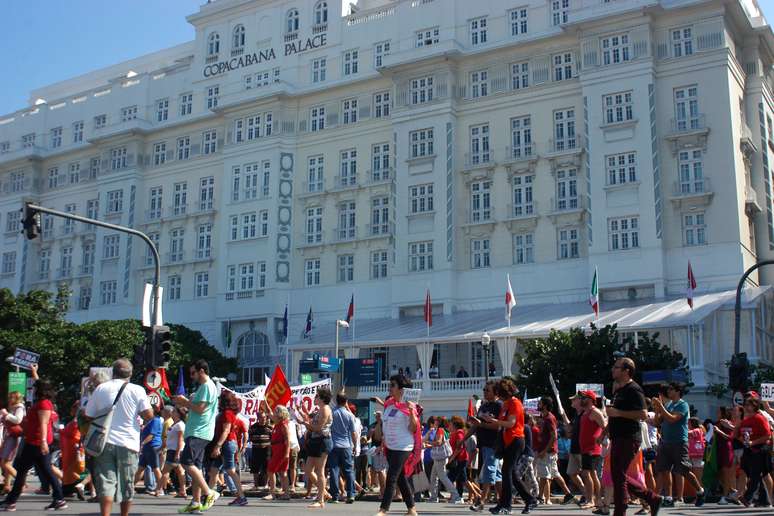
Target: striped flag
{"points": [[428, 310], [285, 323], [350, 310], [510, 299], [308, 327], [691, 285], [594, 294]]}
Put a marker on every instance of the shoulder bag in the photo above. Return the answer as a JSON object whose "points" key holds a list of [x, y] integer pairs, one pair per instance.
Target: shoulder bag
{"points": [[96, 437]]}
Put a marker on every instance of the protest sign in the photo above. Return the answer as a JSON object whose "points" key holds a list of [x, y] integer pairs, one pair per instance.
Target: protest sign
{"points": [[767, 391], [412, 395], [531, 406], [17, 382], [597, 388], [556, 393], [24, 359], [301, 396]]}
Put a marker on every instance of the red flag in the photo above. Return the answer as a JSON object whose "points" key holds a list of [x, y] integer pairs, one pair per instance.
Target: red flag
{"points": [[278, 390], [428, 309], [510, 299], [471, 408], [691, 286], [351, 309]]}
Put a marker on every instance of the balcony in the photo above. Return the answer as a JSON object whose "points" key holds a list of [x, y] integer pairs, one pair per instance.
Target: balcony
{"points": [[291, 36], [688, 132], [568, 209], [86, 270], [28, 151], [690, 194], [311, 240], [64, 273], [484, 159], [751, 206], [311, 189], [179, 211], [344, 182], [86, 229], [432, 387], [746, 141], [134, 126], [522, 216], [344, 234], [567, 145], [175, 257], [43, 275], [319, 28], [386, 229], [153, 215], [238, 51], [212, 58], [67, 230], [203, 255], [520, 154], [381, 176]]}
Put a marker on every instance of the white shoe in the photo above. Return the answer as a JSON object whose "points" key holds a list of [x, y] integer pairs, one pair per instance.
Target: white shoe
{"points": [[722, 501]]}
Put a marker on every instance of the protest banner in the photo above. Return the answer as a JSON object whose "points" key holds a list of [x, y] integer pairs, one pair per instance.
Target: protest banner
{"points": [[24, 359], [597, 388], [767, 391], [301, 396]]}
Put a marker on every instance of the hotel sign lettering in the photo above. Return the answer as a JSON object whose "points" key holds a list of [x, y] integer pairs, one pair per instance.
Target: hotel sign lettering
{"points": [[291, 48]]}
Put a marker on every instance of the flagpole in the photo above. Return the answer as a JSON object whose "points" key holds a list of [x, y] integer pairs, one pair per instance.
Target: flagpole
{"points": [[353, 323], [287, 332]]}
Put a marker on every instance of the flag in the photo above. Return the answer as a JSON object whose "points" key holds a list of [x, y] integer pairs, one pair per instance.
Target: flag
{"points": [[266, 379], [510, 299], [285, 323], [350, 310], [471, 408], [428, 310], [308, 327], [594, 294], [691, 285], [180, 382], [228, 334], [278, 390]]}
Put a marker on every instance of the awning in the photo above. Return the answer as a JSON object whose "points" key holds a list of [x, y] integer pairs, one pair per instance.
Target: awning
{"points": [[528, 321]]}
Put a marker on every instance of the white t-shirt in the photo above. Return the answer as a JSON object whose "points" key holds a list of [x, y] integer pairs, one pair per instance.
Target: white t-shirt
{"points": [[358, 431], [125, 426], [396, 432], [173, 434], [293, 433]]}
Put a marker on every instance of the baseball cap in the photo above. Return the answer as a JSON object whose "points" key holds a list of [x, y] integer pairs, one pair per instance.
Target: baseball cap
{"points": [[589, 394]]}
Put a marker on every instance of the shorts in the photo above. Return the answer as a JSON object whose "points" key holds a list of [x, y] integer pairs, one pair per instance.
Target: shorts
{"points": [[590, 462], [10, 446], [490, 466], [649, 456], [171, 458], [149, 456], [293, 461], [226, 461], [258, 459], [697, 462], [193, 453], [547, 466], [114, 471], [316, 449], [673, 457], [574, 464]]}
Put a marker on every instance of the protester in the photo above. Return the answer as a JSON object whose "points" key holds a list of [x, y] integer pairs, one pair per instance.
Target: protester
{"points": [[150, 446], [318, 443], [574, 459], [223, 449], [72, 457], [696, 446], [260, 438], [487, 436], [755, 434], [175, 445], [440, 452], [199, 431], [546, 461], [12, 418], [592, 424], [344, 439], [280, 453], [459, 458], [379, 460]]}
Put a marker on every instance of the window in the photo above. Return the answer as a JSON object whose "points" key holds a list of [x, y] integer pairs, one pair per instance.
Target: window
{"points": [[321, 13], [13, 222], [518, 20], [179, 198], [319, 69], [213, 92], [5, 147], [115, 201], [9, 263], [17, 181], [618, 107], [184, 147], [479, 144], [155, 203], [317, 118], [263, 219], [261, 284], [563, 64], [159, 153], [231, 281], [291, 21], [421, 90], [521, 137], [94, 166], [201, 284], [48, 226], [691, 171], [238, 39], [28, 140], [380, 216], [348, 168], [347, 228], [176, 237], [315, 177], [566, 189], [479, 84], [479, 253], [564, 130], [118, 158], [381, 50], [206, 193], [249, 225], [382, 104], [128, 113], [312, 272], [186, 104], [480, 201], [427, 37], [69, 224], [380, 162], [92, 208], [74, 170], [420, 256], [87, 266], [523, 203], [378, 264], [421, 143], [44, 263], [162, 110], [349, 111], [520, 75], [209, 142], [250, 187], [624, 233], [155, 238], [235, 182], [350, 62], [174, 286], [621, 168], [694, 229], [53, 177], [568, 243], [107, 292], [100, 121], [84, 298], [421, 198], [615, 49], [346, 268], [682, 42], [560, 10], [78, 131], [687, 108], [213, 44], [314, 217], [523, 248], [478, 31], [253, 127], [110, 245]]}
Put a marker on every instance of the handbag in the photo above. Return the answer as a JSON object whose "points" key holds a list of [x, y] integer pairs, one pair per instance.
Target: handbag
{"points": [[419, 480], [441, 452], [14, 430], [96, 437]]}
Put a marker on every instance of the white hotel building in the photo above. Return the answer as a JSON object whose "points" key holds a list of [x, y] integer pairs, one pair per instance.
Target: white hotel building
{"points": [[292, 153]]}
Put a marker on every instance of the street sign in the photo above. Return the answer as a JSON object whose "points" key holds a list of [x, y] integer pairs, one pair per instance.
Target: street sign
{"points": [[152, 380], [17, 382], [24, 359], [738, 399], [360, 372], [306, 379], [319, 365], [154, 399], [767, 391]]}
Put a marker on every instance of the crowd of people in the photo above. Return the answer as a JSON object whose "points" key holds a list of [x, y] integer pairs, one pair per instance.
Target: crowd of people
{"points": [[606, 455]]}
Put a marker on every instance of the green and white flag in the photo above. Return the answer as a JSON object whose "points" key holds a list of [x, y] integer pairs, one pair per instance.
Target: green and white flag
{"points": [[594, 294]]}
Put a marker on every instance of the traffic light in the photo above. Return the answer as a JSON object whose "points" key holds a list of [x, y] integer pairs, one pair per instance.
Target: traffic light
{"points": [[142, 352], [30, 222], [162, 346], [739, 372]]}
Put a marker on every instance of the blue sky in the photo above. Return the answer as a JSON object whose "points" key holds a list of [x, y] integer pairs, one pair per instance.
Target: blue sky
{"points": [[46, 41]]}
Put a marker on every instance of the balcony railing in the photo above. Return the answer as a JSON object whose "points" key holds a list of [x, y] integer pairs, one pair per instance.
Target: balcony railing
{"points": [[567, 204], [175, 257], [204, 254], [344, 234], [482, 216], [291, 36], [177, 211], [319, 28], [238, 51], [86, 270], [700, 186], [479, 159], [436, 386], [572, 143], [379, 176], [688, 124], [519, 153], [153, 215], [378, 230], [343, 182], [64, 272], [524, 210], [312, 239]]}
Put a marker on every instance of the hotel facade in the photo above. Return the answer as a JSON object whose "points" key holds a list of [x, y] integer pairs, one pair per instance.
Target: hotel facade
{"points": [[290, 155]]}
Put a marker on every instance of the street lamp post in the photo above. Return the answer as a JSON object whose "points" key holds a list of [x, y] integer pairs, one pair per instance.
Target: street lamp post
{"points": [[485, 340], [340, 324]]}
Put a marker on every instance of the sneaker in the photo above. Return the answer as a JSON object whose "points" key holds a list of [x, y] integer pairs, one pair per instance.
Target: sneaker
{"points": [[8, 507], [603, 511], [360, 495], [210, 500], [240, 501], [700, 498], [503, 511], [667, 502], [722, 501], [581, 500], [334, 500], [56, 506], [477, 507], [495, 509], [458, 501], [568, 498], [350, 501], [191, 508]]}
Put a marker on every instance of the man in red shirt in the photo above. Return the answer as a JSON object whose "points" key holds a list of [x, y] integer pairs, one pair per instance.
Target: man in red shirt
{"points": [[755, 435], [546, 454]]}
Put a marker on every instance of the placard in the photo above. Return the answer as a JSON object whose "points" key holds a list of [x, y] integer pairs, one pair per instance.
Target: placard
{"points": [[24, 359], [767, 391], [412, 395], [17, 382], [531, 406], [597, 388], [556, 393]]}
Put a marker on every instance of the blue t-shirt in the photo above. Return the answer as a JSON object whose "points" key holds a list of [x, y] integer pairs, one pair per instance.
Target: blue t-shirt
{"points": [[342, 427], [676, 432], [152, 427]]}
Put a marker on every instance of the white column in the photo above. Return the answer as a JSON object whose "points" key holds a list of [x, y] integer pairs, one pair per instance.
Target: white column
{"points": [[506, 347], [425, 354]]}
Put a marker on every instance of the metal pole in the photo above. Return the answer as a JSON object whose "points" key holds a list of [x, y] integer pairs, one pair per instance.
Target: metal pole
{"points": [[738, 305], [336, 356], [121, 229]]}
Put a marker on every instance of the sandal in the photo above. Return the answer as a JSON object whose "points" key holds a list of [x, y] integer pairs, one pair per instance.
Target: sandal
{"points": [[316, 505]]}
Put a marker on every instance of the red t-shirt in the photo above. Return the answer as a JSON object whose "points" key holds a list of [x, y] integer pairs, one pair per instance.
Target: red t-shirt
{"points": [[757, 425], [240, 429], [512, 407], [547, 431], [457, 440], [227, 416], [536, 443], [32, 423]]}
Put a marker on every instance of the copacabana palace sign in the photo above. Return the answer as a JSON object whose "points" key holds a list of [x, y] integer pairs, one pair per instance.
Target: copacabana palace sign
{"points": [[291, 48]]}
